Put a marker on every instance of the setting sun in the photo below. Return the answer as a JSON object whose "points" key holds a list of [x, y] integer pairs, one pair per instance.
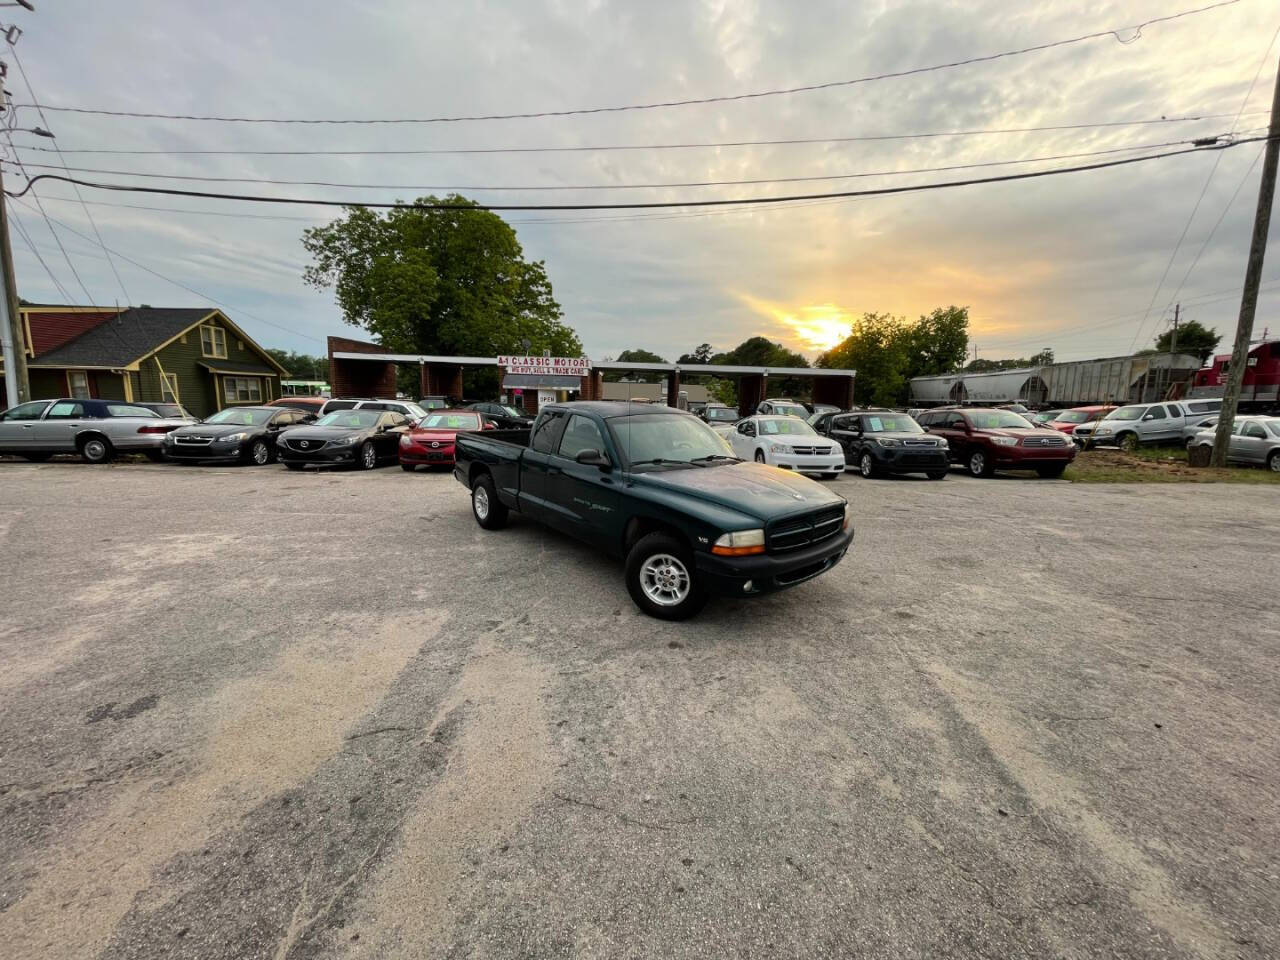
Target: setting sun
{"points": [[818, 327]]}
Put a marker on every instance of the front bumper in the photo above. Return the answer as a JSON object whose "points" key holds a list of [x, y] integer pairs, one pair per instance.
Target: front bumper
{"points": [[810, 463], [913, 460], [1054, 457], [730, 576], [330, 455], [419, 456], [202, 453]]}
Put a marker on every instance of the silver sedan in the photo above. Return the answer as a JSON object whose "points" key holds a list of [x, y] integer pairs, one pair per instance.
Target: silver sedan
{"points": [[95, 429], [1254, 441]]}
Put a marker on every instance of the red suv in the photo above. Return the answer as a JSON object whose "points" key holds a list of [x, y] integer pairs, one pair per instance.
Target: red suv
{"points": [[430, 442], [988, 440]]}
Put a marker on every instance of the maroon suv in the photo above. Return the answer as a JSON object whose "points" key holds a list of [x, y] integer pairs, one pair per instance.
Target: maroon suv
{"points": [[985, 441]]}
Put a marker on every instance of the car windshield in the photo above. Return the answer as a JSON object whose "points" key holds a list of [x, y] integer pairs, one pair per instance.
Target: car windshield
{"points": [[790, 410], [414, 412], [890, 423], [999, 420], [352, 419], [242, 418], [660, 440], [1127, 413], [722, 414], [1073, 416], [510, 411], [450, 421], [776, 426]]}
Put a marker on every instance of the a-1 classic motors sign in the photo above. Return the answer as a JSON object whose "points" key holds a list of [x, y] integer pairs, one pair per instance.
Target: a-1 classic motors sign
{"points": [[546, 366]]}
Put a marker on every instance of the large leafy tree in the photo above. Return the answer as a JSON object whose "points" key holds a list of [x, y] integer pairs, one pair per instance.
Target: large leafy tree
{"points": [[1193, 338], [937, 343], [701, 354], [438, 281], [301, 366], [877, 349], [637, 356]]}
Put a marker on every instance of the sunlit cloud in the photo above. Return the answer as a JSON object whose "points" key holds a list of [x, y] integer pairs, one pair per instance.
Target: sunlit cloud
{"points": [[807, 329]]}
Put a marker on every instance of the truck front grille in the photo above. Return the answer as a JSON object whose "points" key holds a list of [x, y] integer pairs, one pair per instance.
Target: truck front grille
{"points": [[805, 530]]}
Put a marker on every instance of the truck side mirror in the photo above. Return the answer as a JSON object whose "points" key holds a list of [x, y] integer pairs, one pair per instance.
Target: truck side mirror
{"points": [[594, 458]]}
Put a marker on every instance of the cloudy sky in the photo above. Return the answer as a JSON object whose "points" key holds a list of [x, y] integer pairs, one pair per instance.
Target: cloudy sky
{"points": [[1071, 262]]}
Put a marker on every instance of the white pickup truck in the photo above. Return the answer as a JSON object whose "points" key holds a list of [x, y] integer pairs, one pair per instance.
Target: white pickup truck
{"points": [[1138, 423]]}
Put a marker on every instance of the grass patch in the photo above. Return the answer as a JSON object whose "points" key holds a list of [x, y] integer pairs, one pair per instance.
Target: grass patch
{"points": [[1156, 465]]}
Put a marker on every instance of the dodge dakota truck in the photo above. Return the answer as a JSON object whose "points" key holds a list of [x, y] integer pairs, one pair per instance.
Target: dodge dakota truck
{"points": [[658, 487]]}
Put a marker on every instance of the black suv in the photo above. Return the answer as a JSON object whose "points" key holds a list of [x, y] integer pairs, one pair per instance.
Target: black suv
{"points": [[886, 442]]}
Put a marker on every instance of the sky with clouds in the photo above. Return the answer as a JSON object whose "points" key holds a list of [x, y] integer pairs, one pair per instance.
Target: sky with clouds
{"points": [[1069, 262]]}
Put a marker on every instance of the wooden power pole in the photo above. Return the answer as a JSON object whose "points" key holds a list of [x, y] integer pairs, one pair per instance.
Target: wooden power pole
{"points": [[17, 386], [1252, 278], [1173, 341]]}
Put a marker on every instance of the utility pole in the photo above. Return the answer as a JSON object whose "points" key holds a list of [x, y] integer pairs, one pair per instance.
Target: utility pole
{"points": [[1252, 278], [17, 387], [1173, 341]]}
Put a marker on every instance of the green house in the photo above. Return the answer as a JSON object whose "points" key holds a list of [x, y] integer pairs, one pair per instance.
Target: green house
{"points": [[193, 356]]}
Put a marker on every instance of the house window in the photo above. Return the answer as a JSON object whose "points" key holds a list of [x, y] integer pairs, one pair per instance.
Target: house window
{"points": [[213, 342], [169, 388], [183, 338], [78, 384], [242, 389], [240, 345]]}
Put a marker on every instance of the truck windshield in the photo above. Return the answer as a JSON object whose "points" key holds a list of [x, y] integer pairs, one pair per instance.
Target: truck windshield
{"points": [[1127, 413], [655, 441]]}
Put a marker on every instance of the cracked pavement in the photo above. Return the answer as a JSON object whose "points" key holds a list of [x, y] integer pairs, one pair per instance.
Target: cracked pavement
{"points": [[250, 713]]}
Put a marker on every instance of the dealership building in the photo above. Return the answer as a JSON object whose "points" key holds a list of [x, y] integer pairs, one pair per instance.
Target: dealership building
{"points": [[361, 369]]}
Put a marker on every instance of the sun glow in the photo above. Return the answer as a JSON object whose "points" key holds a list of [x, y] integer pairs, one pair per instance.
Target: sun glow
{"points": [[818, 327]]}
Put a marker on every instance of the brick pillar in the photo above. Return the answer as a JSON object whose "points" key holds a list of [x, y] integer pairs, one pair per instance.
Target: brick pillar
{"points": [[673, 388], [837, 391], [442, 380], [751, 390], [592, 386]]}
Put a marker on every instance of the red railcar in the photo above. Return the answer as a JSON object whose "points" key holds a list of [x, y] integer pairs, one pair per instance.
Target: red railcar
{"points": [[1261, 388]]}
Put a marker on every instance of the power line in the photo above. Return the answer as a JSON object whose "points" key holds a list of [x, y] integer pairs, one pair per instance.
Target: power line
{"points": [[612, 186], [1115, 33], [48, 222], [26, 237], [600, 148], [192, 290], [645, 205], [45, 120], [1203, 190]]}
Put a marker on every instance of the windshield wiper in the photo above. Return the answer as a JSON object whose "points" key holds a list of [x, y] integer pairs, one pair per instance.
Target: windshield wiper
{"points": [[660, 461], [715, 456]]}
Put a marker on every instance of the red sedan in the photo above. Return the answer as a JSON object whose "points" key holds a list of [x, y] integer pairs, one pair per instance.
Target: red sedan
{"points": [[430, 442], [1068, 420]]}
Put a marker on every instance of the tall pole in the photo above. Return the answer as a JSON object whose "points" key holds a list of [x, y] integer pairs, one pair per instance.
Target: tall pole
{"points": [[17, 388], [1252, 278], [1173, 341]]}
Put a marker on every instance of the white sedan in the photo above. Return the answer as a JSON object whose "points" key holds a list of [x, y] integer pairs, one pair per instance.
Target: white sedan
{"points": [[786, 442]]}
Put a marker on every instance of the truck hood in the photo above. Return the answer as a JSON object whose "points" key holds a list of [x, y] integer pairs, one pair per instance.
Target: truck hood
{"points": [[750, 488]]}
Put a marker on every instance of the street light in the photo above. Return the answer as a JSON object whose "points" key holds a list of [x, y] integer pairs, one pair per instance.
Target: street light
{"points": [[37, 131]]}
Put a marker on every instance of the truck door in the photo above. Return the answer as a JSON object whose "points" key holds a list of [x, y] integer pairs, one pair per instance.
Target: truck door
{"points": [[544, 441], [581, 498], [1154, 424]]}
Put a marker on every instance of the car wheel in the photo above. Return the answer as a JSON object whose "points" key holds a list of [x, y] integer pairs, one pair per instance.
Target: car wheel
{"points": [[760, 456], [1128, 442], [485, 505], [979, 465], [368, 458], [1273, 461], [96, 450], [937, 474], [260, 453], [867, 465], [1051, 473], [293, 466], [408, 467], [662, 579]]}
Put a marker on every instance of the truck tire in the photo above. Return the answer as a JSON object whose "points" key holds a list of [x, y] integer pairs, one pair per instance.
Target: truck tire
{"points": [[485, 505], [662, 579], [1128, 442]]}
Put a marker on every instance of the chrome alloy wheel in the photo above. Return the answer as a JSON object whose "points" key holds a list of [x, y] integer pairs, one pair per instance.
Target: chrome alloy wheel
{"points": [[665, 580], [480, 500]]}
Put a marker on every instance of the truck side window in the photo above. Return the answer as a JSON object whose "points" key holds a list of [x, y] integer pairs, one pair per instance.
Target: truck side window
{"points": [[547, 431], [581, 434], [1155, 413]]}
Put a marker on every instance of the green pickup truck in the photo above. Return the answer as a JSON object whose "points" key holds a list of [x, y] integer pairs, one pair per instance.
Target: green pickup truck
{"points": [[659, 487]]}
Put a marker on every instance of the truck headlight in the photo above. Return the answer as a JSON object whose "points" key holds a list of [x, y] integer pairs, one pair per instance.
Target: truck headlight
{"points": [[740, 543], [1005, 441], [848, 517], [942, 442], [1104, 431], [779, 448]]}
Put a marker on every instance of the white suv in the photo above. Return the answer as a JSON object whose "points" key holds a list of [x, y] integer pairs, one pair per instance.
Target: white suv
{"points": [[405, 407]]}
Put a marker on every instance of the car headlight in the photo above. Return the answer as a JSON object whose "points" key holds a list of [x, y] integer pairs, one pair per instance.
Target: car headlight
{"points": [[779, 448], [848, 517], [740, 543], [404, 440], [346, 441], [942, 442], [233, 438], [1005, 441], [168, 438], [887, 441]]}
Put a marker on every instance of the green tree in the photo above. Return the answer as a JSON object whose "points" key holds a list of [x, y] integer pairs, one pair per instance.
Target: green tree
{"points": [[636, 356], [301, 366], [701, 354], [937, 343], [878, 349], [1193, 338], [438, 281]]}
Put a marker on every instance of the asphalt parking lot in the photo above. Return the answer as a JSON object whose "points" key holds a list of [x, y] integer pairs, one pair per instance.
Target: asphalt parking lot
{"points": [[251, 713]]}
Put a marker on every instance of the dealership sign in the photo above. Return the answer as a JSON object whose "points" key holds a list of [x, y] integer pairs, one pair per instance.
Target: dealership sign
{"points": [[546, 366]]}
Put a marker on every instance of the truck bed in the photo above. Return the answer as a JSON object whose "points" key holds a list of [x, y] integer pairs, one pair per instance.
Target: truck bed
{"points": [[500, 452]]}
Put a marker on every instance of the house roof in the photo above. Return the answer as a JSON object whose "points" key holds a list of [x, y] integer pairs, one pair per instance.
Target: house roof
{"points": [[123, 339]]}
